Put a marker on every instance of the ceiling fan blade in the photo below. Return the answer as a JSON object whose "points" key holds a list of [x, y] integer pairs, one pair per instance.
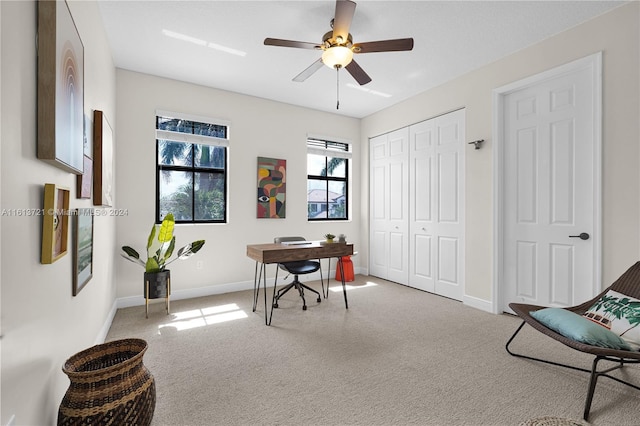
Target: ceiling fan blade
{"points": [[358, 73], [290, 43], [342, 20], [309, 71], [384, 46]]}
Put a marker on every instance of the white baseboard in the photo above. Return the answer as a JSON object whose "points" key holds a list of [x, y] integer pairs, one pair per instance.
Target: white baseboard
{"points": [[126, 302], [474, 302], [102, 335]]}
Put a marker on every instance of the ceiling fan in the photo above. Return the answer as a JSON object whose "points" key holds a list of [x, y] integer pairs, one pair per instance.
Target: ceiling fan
{"points": [[338, 47]]}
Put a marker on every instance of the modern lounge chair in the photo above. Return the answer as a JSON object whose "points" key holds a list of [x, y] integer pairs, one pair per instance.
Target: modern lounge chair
{"points": [[296, 269], [628, 284]]}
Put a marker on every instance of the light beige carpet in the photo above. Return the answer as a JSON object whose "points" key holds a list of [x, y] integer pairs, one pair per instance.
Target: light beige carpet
{"points": [[397, 356]]}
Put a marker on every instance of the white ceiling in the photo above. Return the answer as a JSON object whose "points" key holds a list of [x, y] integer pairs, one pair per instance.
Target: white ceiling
{"points": [[451, 38]]}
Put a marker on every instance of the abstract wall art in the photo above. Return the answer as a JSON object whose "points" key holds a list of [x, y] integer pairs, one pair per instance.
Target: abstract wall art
{"points": [[272, 185], [60, 88]]}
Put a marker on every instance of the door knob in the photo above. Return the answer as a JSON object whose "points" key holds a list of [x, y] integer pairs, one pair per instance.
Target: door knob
{"points": [[582, 236]]}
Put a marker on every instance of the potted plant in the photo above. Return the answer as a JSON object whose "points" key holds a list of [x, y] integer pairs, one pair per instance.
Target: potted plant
{"points": [[329, 237], [160, 247]]}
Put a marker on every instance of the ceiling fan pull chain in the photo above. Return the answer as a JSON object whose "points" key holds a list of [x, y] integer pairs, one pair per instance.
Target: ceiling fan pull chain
{"points": [[337, 88]]}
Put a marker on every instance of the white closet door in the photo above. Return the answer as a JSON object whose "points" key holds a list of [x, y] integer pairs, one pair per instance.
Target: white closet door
{"points": [[378, 208], [436, 232], [422, 261], [398, 206], [389, 174]]}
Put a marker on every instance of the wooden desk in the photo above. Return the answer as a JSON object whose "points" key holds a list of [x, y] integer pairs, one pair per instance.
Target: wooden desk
{"points": [[265, 254]]}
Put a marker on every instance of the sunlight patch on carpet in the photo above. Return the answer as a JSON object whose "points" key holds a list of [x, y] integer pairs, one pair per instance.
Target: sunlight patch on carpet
{"points": [[349, 287], [195, 318]]}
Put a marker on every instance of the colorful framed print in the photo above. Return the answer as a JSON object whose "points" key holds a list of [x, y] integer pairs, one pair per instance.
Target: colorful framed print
{"points": [[60, 88], [55, 223], [82, 249], [272, 185], [102, 160]]}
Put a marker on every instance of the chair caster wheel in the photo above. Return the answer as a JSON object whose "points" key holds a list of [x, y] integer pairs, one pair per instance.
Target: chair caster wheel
{"points": [[304, 307], [275, 305], [319, 299]]}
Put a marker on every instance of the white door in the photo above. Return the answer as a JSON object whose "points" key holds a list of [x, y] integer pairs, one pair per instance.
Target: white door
{"points": [[389, 206], [436, 218], [378, 171], [551, 188]]}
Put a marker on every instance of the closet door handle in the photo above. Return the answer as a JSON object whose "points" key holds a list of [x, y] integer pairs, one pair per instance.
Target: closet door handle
{"points": [[582, 236]]}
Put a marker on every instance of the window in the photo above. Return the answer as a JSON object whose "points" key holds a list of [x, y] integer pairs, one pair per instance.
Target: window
{"points": [[327, 179], [191, 171]]}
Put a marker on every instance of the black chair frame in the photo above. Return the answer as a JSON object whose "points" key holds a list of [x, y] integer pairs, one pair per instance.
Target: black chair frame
{"points": [[298, 286], [595, 374], [628, 284]]}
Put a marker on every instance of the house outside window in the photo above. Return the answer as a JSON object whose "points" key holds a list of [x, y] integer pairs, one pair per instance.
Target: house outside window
{"points": [[191, 168], [327, 179]]}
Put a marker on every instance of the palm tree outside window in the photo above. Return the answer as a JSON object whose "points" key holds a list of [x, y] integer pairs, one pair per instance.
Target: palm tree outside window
{"points": [[191, 169]]}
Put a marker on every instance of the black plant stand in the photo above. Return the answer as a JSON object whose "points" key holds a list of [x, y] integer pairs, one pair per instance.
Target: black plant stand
{"points": [[157, 285]]}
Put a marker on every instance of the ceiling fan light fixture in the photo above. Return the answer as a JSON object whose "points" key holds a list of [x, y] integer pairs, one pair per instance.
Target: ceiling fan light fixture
{"points": [[337, 57]]}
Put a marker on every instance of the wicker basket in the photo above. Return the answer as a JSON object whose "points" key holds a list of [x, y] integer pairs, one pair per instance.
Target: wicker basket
{"points": [[109, 385]]}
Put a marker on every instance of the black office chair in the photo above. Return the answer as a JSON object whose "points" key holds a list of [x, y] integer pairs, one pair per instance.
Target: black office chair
{"points": [[297, 268]]}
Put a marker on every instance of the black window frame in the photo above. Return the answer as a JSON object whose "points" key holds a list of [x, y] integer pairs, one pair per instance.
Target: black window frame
{"points": [[328, 147], [190, 126]]}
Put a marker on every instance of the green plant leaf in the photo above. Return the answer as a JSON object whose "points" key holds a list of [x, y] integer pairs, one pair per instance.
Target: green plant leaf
{"points": [[152, 265], [166, 229], [190, 249], [152, 235], [169, 252], [131, 252]]}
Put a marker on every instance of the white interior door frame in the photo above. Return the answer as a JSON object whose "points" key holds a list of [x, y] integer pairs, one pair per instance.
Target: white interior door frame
{"points": [[595, 62]]}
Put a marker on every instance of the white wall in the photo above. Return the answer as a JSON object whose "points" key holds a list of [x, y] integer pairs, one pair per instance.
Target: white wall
{"points": [[617, 35], [42, 323], [258, 128]]}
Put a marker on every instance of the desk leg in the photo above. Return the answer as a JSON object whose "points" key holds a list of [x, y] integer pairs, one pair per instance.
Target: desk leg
{"points": [[273, 298], [322, 278], [264, 278], [256, 287], [344, 286], [326, 296], [260, 278]]}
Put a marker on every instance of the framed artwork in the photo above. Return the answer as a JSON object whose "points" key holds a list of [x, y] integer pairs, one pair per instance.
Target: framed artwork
{"points": [[55, 223], [87, 147], [84, 180], [102, 160], [272, 185], [82, 249], [60, 87]]}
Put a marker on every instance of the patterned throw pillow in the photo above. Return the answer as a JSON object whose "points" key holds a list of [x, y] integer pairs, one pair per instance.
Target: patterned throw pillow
{"points": [[620, 314], [578, 328]]}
